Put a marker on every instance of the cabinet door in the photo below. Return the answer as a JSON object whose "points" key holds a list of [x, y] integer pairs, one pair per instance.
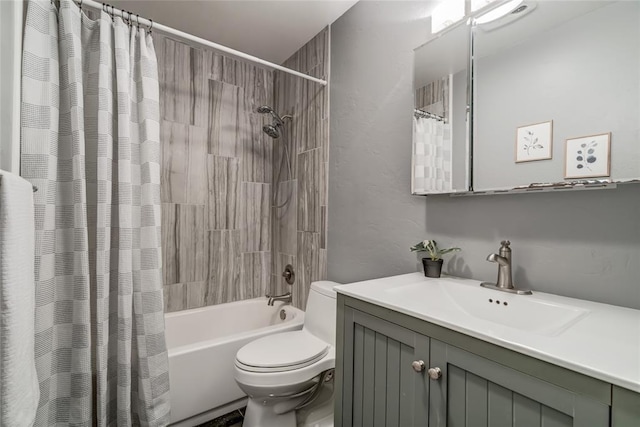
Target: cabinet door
{"points": [[477, 392], [380, 385]]}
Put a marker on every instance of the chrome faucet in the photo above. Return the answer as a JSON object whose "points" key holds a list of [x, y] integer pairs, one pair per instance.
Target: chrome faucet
{"points": [[284, 297], [505, 279]]}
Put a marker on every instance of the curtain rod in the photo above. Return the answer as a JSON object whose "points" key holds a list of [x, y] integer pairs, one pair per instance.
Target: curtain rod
{"points": [[422, 113], [154, 26]]}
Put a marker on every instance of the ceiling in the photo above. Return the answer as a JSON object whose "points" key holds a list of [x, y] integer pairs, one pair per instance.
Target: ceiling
{"points": [[270, 30]]}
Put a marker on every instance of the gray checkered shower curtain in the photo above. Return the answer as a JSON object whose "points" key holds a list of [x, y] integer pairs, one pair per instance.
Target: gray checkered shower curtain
{"points": [[90, 143]]}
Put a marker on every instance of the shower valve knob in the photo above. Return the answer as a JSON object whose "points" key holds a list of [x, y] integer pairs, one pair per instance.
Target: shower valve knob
{"points": [[289, 275]]}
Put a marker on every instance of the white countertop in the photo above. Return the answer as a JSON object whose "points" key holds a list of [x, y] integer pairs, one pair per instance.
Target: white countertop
{"points": [[603, 342]]}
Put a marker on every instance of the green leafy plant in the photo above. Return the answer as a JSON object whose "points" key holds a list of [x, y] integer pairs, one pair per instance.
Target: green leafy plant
{"points": [[431, 247]]}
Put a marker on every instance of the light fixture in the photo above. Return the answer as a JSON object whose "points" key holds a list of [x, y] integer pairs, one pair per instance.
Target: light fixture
{"points": [[499, 12], [479, 4], [448, 12]]}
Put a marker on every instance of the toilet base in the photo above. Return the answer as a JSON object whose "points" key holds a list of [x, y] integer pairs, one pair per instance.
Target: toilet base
{"points": [[318, 414], [258, 415]]}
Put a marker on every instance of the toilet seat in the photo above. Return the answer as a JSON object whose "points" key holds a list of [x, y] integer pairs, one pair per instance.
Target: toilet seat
{"points": [[281, 352]]}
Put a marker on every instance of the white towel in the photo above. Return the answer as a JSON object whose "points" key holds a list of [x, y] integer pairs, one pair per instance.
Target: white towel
{"points": [[19, 391]]}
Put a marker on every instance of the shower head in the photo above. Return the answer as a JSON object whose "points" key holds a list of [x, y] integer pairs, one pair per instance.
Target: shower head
{"points": [[272, 130], [264, 109]]}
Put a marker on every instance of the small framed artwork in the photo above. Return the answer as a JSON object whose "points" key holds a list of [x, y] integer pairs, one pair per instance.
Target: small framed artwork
{"points": [[534, 142], [588, 156]]}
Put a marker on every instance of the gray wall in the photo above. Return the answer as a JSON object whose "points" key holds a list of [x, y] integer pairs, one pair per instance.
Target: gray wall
{"points": [[373, 219], [581, 244]]}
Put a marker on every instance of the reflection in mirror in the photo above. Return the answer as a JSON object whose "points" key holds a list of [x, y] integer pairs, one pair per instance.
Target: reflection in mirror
{"points": [[557, 95], [440, 154]]}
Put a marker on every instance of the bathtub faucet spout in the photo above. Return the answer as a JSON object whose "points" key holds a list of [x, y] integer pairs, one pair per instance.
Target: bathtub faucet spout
{"points": [[285, 297]]}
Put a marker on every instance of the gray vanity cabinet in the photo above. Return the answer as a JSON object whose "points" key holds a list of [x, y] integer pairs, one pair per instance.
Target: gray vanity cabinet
{"points": [[383, 388], [477, 392], [381, 382]]}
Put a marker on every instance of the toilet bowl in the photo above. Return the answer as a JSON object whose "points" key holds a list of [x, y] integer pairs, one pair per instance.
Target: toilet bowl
{"points": [[285, 372]]}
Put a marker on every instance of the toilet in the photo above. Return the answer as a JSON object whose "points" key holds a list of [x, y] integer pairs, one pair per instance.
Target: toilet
{"points": [[288, 373]]}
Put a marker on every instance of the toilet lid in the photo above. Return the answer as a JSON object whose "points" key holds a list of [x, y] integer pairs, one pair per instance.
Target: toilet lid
{"points": [[281, 352]]}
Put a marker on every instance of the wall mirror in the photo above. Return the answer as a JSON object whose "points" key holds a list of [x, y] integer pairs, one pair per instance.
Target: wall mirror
{"points": [[555, 98], [440, 159], [557, 95]]}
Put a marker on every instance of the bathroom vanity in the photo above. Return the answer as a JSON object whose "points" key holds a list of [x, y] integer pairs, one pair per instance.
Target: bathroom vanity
{"points": [[414, 351]]}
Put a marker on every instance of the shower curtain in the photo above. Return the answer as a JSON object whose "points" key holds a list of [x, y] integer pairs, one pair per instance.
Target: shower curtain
{"points": [[90, 143], [432, 155]]}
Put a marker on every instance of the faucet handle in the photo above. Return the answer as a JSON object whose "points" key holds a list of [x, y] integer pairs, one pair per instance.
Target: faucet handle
{"points": [[505, 243]]}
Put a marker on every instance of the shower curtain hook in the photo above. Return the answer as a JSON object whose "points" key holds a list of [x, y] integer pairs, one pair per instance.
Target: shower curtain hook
{"points": [[150, 26], [80, 6], [138, 20]]}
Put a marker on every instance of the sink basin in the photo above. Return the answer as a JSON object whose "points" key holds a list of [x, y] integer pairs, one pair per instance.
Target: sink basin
{"points": [[531, 313]]}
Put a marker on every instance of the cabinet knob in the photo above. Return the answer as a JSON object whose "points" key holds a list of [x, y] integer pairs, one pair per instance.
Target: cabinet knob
{"points": [[434, 373], [418, 365]]}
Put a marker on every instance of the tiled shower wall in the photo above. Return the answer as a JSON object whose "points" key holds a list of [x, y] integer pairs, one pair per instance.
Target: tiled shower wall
{"points": [[215, 177], [300, 225], [434, 97], [219, 222]]}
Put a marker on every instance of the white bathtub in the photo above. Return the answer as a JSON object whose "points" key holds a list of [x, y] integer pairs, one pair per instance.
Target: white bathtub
{"points": [[202, 345]]}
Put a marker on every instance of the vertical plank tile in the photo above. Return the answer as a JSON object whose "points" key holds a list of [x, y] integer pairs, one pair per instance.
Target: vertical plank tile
{"points": [[323, 264], [256, 274], [285, 217], [196, 190], [223, 205], [169, 244], [307, 264], [195, 294], [183, 92], [256, 217], [191, 243], [323, 227], [174, 154], [183, 159], [257, 148], [225, 263], [222, 124], [174, 297], [309, 181]]}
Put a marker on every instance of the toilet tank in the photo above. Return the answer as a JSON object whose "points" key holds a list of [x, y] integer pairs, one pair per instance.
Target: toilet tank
{"points": [[320, 314]]}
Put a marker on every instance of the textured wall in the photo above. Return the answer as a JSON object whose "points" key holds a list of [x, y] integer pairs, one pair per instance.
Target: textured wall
{"points": [[373, 219], [216, 177], [580, 244], [299, 225]]}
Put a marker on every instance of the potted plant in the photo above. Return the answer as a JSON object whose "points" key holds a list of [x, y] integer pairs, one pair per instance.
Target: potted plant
{"points": [[433, 263]]}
